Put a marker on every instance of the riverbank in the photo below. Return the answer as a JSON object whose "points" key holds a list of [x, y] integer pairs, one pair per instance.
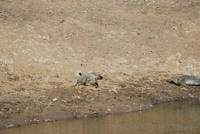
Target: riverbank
{"points": [[135, 45], [20, 107]]}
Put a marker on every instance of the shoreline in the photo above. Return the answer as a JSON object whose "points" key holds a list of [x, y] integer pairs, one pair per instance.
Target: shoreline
{"points": [[75, 110], [97, 115]]}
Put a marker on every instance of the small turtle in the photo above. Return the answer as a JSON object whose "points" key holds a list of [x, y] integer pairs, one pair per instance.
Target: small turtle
{"points": [[88, 78], [185, 80]]}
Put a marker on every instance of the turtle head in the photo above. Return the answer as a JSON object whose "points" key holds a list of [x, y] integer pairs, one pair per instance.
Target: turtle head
{"points": [[99, 77], [174, 80]]}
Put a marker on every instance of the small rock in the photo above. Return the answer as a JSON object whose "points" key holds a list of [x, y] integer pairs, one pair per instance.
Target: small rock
{"points": [[55, 99], [62, 21], [190, 95], [50, 104], [47, 120], [113, 90], [76, 97], [10, 125], [13, 78], [79, 92], [109, 110], [64, 101], [183, 88], [36, 120]]}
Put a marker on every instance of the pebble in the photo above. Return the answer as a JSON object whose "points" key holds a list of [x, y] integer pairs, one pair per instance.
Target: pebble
{"points": [[36, 120], [54, 99], [76, 97], [64, 101], [47, 120], [190, 95], [10, 125], [109, 110], [113, 90]]}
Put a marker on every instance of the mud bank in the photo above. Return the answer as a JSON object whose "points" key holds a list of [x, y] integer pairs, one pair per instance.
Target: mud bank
{"points": [[19, 108]]}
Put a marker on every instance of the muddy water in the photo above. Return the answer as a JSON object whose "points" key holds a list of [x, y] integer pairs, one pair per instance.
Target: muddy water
{"points": [[173, 118]]}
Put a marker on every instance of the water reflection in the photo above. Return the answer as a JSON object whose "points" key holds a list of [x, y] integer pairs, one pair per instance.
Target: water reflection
{"points": [[176, 118]]}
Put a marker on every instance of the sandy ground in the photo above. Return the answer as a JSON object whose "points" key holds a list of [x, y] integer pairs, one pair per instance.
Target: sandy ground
{"points": [[134, 44]]}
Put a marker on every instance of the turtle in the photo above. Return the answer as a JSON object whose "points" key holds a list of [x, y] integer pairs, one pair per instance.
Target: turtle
{"points": [[92, 79], [190, 80]]}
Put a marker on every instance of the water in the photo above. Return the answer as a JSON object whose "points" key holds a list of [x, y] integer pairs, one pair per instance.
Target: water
{"points": [[173, 118]]}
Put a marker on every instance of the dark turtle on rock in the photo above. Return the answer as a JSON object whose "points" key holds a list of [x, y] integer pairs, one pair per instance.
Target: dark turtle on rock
{"points": [[190, 80]]}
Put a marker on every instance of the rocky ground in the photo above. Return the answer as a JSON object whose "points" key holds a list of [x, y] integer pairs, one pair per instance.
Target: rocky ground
{"points": [[134, 44]]}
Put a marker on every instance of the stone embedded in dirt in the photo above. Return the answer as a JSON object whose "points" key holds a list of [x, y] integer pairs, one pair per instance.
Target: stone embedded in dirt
{"points": [[183, 88], [113, 90], [36, 120], [109, 110], [64, 101], [10, 125], [79, 91], [54, 99], [47, 120], [75, 97], [13, 78], [190, 95]]}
